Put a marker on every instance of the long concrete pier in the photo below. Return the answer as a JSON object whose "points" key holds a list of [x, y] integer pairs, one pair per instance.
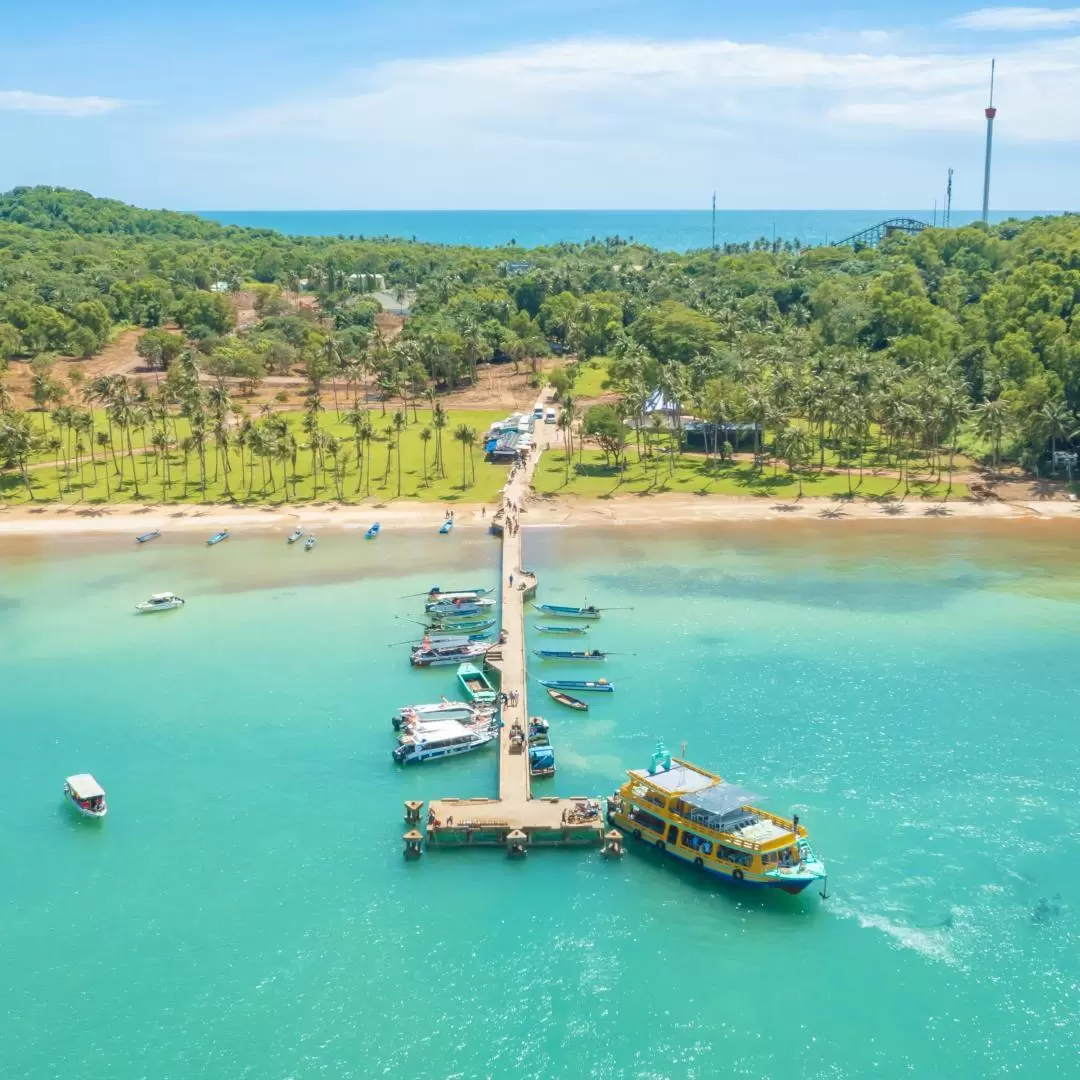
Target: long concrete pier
{"points": [[515, 820]]}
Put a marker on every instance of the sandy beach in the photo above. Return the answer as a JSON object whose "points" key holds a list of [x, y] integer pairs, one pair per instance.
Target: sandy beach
{"points": [[628, 510]]}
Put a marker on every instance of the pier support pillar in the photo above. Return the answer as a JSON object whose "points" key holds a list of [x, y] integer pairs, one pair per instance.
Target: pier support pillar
{"points": [[413, 844], [613, 844], [412, 811], [517, 844]]}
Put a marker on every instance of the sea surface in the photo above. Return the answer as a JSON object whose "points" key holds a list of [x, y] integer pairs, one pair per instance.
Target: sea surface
{"points": [[245, 911], [671, 230]]}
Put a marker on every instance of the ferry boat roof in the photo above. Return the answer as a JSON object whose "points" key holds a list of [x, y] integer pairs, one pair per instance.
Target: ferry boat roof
{"points": [[84, 786], [442, 729]]}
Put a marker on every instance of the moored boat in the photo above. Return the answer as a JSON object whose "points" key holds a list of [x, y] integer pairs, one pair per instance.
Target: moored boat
{"points": [[429, 654], [373, 531], [451, 602], [462, 711], [310, 542], [566, 612], [480, 608], [562, 629], [161, 601], [600, 686], [148, 536], [694, 815], [86, 795], [465, 625], [295, 535], [557, 654], [218, 537], [445, 739], [435, 593], [476, 684], [567, 700]]}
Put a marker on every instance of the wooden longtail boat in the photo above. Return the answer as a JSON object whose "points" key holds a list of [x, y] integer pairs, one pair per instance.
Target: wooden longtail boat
{"points": [[148, 536], [562, 629], [565, 612], [568, 701], [557, 654], [600, 686]]}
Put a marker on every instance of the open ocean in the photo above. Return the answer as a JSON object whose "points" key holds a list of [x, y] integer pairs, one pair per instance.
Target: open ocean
{"points": [[671, 230], [908, 688]]}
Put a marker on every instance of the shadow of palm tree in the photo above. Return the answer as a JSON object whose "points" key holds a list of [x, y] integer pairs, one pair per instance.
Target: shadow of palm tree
{"points": [[893, 509], [832, 512], [786, 508], [937, 511]]}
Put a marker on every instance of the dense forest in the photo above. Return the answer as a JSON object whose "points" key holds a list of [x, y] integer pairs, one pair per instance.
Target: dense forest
{"points": [[966, 334]]}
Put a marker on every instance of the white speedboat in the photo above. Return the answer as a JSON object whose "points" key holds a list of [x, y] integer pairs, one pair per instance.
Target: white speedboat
{"points": [[295, 535], [160, 601], [461, 711], [432, 654], [440, 740], [86, 795]]}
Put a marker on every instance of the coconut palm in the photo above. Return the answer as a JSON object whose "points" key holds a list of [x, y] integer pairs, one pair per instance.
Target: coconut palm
{"points": [[18, 443], [467, 437], [425, 438], [439, 420], [1058, 423], [160, 442], [993, 421], [399, 426]]}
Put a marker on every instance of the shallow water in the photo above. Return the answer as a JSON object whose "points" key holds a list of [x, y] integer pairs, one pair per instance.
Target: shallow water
{"points": [[245, 911]]}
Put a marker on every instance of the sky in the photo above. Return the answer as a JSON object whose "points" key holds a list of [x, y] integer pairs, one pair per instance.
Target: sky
{"points": [[545, 104]]}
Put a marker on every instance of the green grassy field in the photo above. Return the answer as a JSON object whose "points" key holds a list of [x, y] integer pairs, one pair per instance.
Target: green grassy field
{"points": [[591, 376], [592, 477], [262, 480]]}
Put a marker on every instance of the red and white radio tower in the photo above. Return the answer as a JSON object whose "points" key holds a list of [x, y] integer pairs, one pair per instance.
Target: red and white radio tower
{"points": [[991, 112]]}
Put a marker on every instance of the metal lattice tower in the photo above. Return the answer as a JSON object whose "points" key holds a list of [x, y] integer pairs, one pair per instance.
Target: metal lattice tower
{"points": [[991, 112]]}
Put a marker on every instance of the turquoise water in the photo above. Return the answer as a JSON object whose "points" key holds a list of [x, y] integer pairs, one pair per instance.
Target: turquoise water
{"points": [[673, 230], [245, 911]]}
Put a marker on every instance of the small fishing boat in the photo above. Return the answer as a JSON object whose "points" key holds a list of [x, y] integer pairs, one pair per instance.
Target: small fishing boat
{"points": [[446, 739], [430, 654], [218, 537], [556, 654], [310, 542], [148, 536], [160, 601], [564, 612], [460, 626], [718, 828], [373, 531], [476, 684], [600, 686], [295, 535], [568, 701], [477, 608], [455, 601], [86, 795], [563, 629], [462, 711], [441, 641], [446, 526], [435, 593]]}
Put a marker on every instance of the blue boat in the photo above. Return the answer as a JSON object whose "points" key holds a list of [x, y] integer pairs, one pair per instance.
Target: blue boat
{"points": [[600, 686], [556, 654], [566, 612], [446, 526], [218, 537], [562, 629], [148, 536], [373, 531]]}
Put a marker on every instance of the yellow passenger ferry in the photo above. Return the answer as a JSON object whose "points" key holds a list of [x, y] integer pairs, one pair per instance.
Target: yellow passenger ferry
{"points": [[703, 819]]}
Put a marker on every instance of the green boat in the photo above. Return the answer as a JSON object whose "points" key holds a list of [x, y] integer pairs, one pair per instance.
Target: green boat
{"points": [[461, 626], [476, 685]]}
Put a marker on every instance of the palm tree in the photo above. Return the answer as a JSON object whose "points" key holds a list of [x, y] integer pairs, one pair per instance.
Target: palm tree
{"points": [[955, 408], [161, 446], [439, 420], [1058, 422], [6, 400], [466, 436], [399, 426], [565, 423], [425, 438], [388, 433], [55, 444], [993, 421], [103, 440], [18, 443], [793, 444], [187, 444]]}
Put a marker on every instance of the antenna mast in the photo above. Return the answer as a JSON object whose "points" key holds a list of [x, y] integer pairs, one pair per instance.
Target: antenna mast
{"points": [[714, 221], [947, 222], [991, 112]]}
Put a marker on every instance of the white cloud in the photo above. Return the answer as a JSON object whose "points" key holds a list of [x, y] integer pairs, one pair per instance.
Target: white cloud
{"points": [[1019, 18], [641, 96], [27, 101]]}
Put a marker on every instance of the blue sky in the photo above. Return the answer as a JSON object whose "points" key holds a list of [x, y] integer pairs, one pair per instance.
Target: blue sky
{"points": [[539, 103]]}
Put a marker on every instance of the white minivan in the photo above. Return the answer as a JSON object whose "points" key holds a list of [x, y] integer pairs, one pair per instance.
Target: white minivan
{"points": [[549, 416], [538, 411]]}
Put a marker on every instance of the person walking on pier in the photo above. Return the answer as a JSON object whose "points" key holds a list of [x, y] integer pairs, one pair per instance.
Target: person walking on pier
{"points": [[511, 581]]}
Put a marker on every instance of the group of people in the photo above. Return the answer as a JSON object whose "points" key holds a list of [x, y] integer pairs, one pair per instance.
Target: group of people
{"points": [[510, 698]]}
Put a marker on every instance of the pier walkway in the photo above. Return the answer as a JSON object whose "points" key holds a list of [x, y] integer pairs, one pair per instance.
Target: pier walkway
{"points": [[515, 820]]}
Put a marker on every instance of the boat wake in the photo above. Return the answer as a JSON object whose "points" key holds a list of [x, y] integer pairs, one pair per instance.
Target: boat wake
{"points": [[934, 943]]}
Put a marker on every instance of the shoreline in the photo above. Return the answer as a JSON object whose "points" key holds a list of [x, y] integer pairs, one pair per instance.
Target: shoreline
{"points": [[561, 511]]}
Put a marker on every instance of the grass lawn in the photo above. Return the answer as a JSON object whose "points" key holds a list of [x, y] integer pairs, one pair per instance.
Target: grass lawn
{"points": [[592, 477], [254, 483], [591, 376]]}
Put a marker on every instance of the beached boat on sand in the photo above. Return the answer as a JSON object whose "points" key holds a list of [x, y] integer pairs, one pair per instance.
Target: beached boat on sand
{"points": [[148, 536], [557, 654], [704, 820], [86, 795], [600, 686], [476, 685], [160, 601], [447, 739], [562, 611], [446, 526], [294, 535], [218, 537], [373, 531], [310, 542], [567, 700]]}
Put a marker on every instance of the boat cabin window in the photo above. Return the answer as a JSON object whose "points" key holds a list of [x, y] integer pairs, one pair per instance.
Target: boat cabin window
{"points": [[644, 818]]}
